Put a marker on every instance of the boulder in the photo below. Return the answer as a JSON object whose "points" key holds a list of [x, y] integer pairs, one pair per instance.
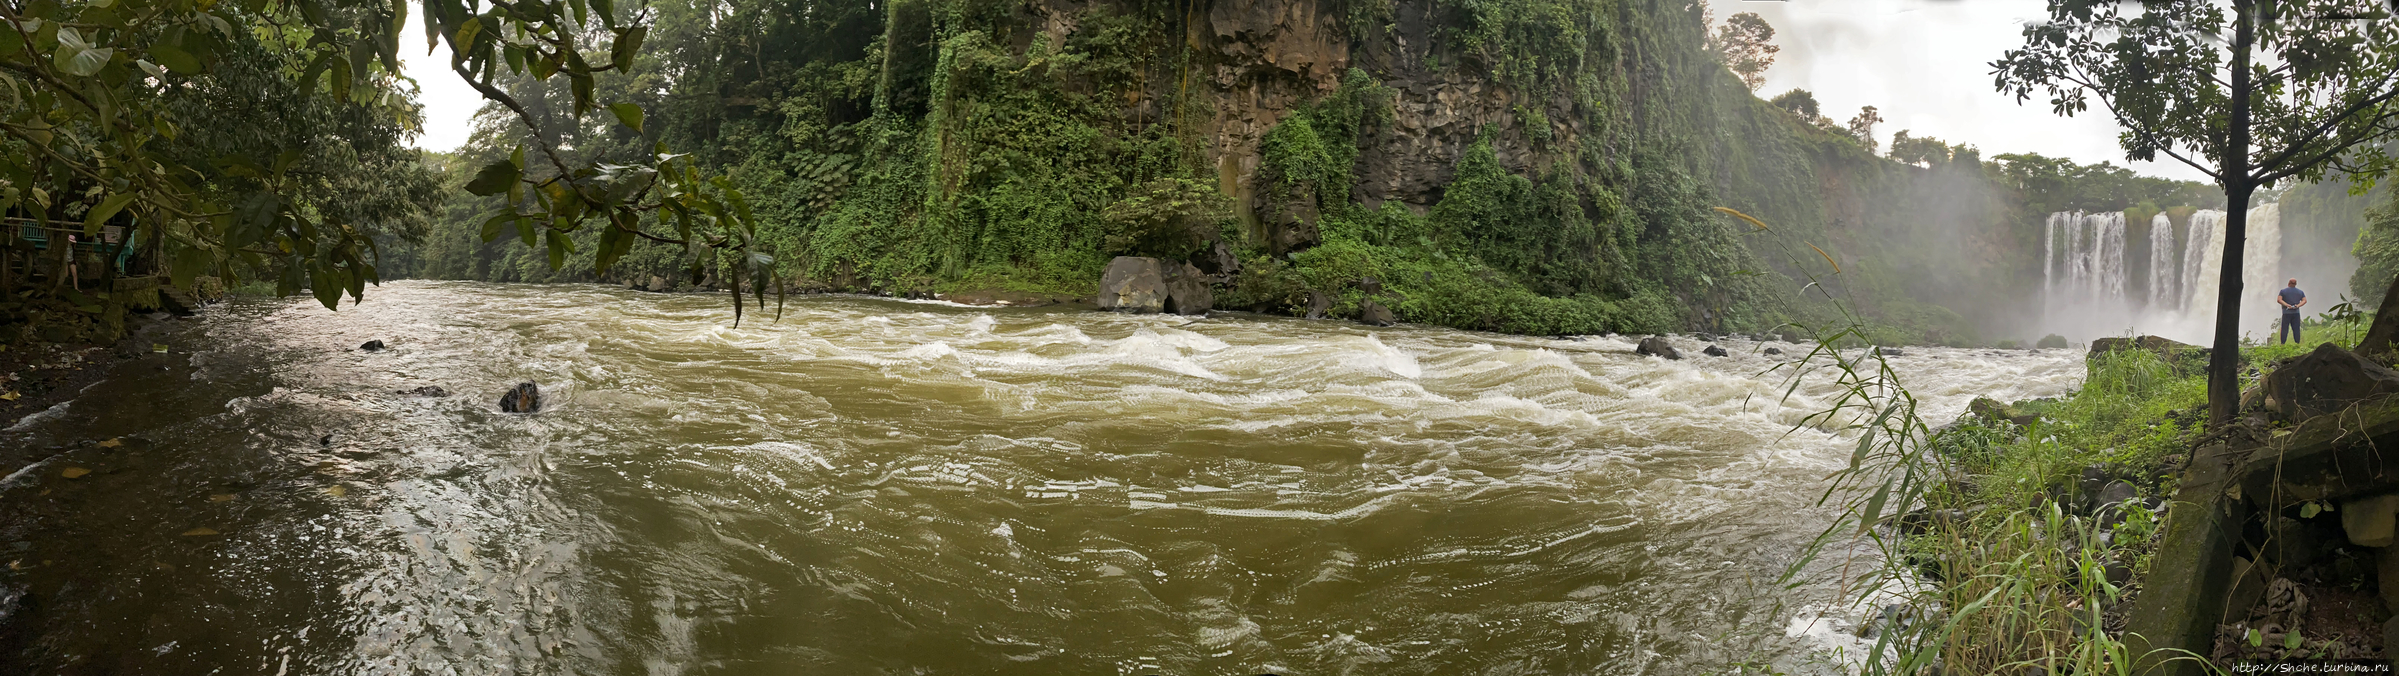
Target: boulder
{"points": [[2327, 380], [371, 346], [1318, 304], [1775, 351], [1714, 351], [1133, 284], [2369, 522], [1656, 346], [1989, 408], [524, 398], [1187, 291], [2174, 352], [1373, 313]]}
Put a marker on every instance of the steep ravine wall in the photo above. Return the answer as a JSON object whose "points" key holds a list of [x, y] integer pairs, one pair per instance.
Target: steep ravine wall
{"points": [[1529, 166]]}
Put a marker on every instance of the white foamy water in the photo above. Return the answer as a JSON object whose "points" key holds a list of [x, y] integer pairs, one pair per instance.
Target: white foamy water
{"points": [[871, 486]]}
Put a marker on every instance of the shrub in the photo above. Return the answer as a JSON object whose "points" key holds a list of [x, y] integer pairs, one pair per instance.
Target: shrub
{"points": [[2052, 341]]}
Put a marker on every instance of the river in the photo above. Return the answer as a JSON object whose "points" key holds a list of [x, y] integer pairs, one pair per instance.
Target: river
{"points": [[873, 486]]}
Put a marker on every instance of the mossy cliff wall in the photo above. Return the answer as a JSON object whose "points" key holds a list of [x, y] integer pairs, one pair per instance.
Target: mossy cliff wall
{"points": [[1530, 166]]}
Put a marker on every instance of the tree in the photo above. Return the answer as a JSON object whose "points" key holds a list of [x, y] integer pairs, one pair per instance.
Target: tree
{"points": [[1745, 44], [1923, 151], [1800, 102], [2298, 87], [1862, 127], [91, 90]]}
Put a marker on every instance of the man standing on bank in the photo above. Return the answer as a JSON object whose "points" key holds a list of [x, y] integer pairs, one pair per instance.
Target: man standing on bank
{"points": [[2291, 299]]}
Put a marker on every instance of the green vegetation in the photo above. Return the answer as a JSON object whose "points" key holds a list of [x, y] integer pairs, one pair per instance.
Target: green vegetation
{"points": [[2159, 71], [937, 146]]}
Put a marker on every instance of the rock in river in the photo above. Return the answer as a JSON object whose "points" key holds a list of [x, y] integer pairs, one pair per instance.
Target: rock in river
{"points": [[525, 398], [1715, 351], [1374, 313], [371, 346], [1148, 285], [1656, 346]]}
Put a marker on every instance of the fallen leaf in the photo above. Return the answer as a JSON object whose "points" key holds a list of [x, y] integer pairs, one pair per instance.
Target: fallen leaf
{"points": [[11, 396], [74, 472], [158, 347], [112, 443], [203, 530], [221, 497], [337, 490]]}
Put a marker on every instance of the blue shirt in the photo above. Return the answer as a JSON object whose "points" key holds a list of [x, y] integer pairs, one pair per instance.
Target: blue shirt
{"points": [[2292, 295]]}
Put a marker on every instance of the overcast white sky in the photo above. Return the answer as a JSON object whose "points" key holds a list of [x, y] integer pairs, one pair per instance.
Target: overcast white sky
{"points": [[1922, 63]]}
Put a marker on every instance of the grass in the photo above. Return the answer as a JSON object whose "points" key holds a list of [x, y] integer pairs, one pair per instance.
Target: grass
{"points": [[2033, 577]]}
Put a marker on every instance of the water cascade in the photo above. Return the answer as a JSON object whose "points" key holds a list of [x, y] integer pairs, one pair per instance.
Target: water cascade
{"points": [[2089, 291]]}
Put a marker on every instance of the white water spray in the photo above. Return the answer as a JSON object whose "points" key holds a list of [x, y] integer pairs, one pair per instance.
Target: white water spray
{"points": [[2090, 292]]}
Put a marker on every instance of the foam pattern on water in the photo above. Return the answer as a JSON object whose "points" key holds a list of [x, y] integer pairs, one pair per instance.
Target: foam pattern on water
{"points": [[869, 486]]}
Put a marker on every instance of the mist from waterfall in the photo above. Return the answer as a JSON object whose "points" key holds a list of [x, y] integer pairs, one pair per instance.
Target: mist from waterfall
{"points": [[2090, 291]]}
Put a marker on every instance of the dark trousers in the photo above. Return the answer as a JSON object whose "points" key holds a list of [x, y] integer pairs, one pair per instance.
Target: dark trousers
{"points": [[2290, 327]]}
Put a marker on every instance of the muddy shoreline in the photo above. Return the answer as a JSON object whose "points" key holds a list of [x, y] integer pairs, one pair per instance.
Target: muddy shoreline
{"points": [[45, 375]]}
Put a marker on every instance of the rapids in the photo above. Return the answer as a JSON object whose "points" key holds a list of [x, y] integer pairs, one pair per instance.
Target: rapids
{"points": [[872, 486]]}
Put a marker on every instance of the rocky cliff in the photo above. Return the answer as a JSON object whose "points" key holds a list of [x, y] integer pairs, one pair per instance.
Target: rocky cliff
{"points": [[1532, 166]]}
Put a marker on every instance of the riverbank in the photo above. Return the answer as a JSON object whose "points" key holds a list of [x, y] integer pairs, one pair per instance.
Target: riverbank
{"points": [[2047, 517], [37, 378]]}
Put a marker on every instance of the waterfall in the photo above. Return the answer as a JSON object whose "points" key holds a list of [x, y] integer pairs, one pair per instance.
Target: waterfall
{"points": [[2200, 238], [2088, 287], [2165, 266]]}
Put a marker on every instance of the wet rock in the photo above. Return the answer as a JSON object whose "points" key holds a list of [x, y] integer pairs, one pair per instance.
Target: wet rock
{"points": [[2370, 522], [1133, 284], [1714, 351], [371, 346], [427, 391], [1774, 351], [1318, 304], [524, 398], [658, 283], [1656, 346], [2327, 380], [1374, 314], [1187, 291], [326, 440]]}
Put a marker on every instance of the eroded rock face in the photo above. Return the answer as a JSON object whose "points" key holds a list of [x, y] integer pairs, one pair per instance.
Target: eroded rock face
{"points": [[1133, 284], [1187, 291], [2327, 380]]}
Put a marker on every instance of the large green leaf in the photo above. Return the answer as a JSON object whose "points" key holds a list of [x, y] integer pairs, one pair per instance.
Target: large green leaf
{"points": [[493, 179], [84, 62], [174, 58], [627, 114], [108, 208]]}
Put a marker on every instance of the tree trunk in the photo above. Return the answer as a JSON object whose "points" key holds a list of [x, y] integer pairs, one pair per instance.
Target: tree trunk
{"points": [[2224, 362], [2385, 329]]}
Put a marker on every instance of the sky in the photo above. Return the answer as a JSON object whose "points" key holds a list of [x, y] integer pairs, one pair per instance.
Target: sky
{"points": [[450, 104], [1923, 64]]}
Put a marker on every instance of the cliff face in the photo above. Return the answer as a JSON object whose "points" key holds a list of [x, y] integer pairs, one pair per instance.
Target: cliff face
{"points": [[1530, 166]]}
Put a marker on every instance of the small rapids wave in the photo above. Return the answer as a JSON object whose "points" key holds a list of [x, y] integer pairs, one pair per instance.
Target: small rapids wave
{"points": [[872, 486]]}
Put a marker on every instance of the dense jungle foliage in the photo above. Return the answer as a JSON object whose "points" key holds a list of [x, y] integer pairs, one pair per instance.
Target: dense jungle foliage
{"points": [[938, 146]]}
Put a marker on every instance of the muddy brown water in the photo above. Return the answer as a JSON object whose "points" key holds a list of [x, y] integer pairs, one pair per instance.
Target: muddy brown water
{"points": [[881, 487]]}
